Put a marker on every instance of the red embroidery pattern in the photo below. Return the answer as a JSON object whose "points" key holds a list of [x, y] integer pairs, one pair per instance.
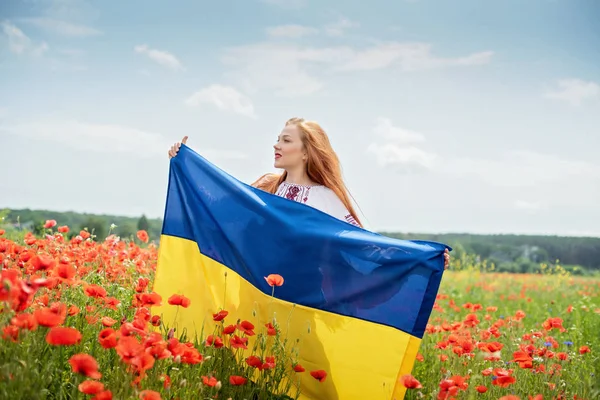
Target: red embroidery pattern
{"points": [[293, 192], [350, 219]]}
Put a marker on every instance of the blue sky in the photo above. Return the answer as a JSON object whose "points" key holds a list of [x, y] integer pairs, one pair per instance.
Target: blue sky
{"points": [[448, 116]]}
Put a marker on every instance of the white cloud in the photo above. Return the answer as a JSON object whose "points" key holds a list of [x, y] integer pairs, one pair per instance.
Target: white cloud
{"points": [[223, 97], [106, 138], [398, 148], [408, 57], [521, 168], [574, 91], [62, 27], [292, 70], [161, 57], [286, 3], [291, 31], [19, 43], [527, 205], [409, 157], [385, 129], [339, 27]]}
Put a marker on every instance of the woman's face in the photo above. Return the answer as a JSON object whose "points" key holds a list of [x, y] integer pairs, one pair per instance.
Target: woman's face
{"points": [[289, 149]]}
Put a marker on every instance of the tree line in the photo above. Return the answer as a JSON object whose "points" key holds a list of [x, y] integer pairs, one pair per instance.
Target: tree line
{"points": [[510, 253], [99, 224]]}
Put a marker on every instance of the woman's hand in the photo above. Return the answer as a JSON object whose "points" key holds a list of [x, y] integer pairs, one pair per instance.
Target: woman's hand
{"points": [[175, 148], [446, 259]]}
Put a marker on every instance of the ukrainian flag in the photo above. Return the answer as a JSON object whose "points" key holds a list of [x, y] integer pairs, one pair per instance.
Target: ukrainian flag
{"points": [[364, 297]]}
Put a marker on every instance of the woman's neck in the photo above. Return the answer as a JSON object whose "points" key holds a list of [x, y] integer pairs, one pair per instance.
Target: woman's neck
{"points": [[298, 177]]}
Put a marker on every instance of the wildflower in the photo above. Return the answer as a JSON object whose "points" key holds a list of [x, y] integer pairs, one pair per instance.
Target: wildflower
{"points": [[410, 382], [86, 365], [216, 341], [95, 291], [211, 382], [105, 395], [61, 336], [584, 349], [554, 323], [274, 280], [42, 262], [143, 236], [228, 330], [149, 395], [271, 331], [246, 327], [237, 380], [298, 368], [238, 342], [523, 358], [220, 316], [254, 361], [50, 224], [91, 387], [51, 316], [319, 375], [179, 300], [108, 321], [107, 338]]}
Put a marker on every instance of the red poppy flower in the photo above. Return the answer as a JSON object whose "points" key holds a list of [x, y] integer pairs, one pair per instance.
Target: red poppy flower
{"points": [[211, 382], [51, 316], [61, 336], [50, 224], [246, 327], [271, 331], [410, 382], [179, 300], [254, 361], [107, 338], [319, 375], [143, 236], [220, 316], [105, 395], [213, 340], [95, 291], [238, 342], [42, 262], [237, 380], [149, 395], [108, 321], [91, 387], [229, 329], [274, 280], [299, 368], [86, 365]]}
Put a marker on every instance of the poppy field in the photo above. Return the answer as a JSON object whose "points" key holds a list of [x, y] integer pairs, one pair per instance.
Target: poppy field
{"points": [[76, 322]]}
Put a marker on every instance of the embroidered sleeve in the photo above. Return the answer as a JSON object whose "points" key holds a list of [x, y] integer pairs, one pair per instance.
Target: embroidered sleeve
{"points": [[332, 205]]}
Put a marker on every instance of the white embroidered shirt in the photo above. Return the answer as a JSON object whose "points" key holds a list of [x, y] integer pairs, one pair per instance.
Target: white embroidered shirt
{"points": [[320, 197]]}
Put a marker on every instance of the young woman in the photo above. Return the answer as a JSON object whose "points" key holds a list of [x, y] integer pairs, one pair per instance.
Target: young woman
{"points": [[312, 173]]}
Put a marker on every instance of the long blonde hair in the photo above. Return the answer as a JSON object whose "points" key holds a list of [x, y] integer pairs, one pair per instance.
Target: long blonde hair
{"points": [[322, 167]]}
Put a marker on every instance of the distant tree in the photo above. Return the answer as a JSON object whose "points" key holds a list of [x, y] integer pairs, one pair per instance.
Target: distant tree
{"points": [[96, 226], [127, 229], [143, 223], [38, 227]]}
